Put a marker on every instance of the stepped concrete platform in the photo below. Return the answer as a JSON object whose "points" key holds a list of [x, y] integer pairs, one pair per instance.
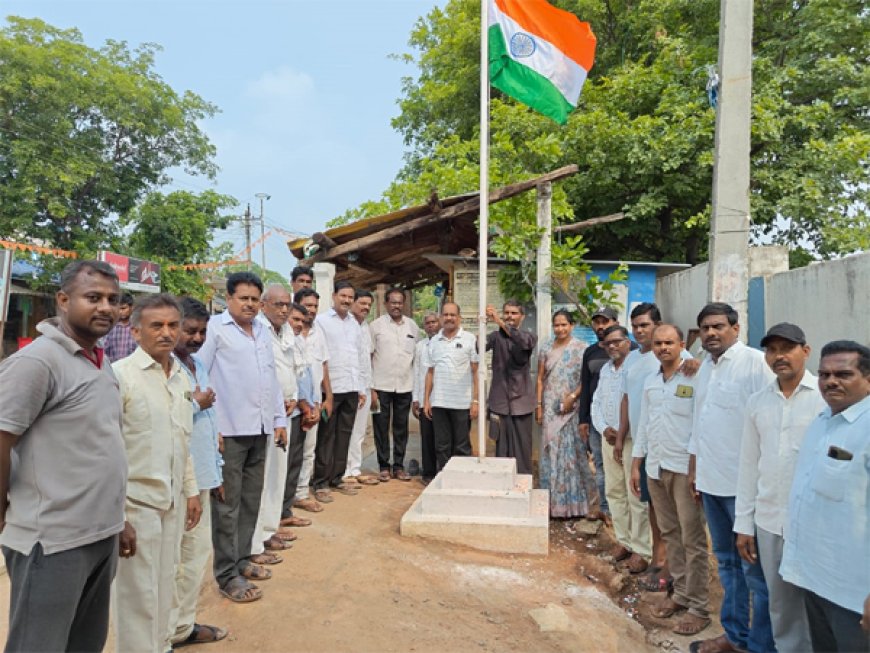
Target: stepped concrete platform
{"points": [[484, 504]]}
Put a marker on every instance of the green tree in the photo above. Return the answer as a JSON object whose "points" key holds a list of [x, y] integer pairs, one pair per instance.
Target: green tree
{"points": [[178, 228], [643, 133], [85, 134]]}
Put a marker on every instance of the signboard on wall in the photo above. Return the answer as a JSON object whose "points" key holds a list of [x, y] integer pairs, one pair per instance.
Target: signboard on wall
{"points": [[5, 281], [133, 273]]}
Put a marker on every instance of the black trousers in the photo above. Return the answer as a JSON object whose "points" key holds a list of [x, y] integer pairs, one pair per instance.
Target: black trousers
{"points": [[427, 442], [395, 405], [233, 520], [513, 439], [451, 427], [60, 602], [333, 440], [295, 446], [833, 627]]}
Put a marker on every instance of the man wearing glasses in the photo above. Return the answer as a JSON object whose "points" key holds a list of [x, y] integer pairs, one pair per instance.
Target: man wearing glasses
{"points": [[629, 514]]}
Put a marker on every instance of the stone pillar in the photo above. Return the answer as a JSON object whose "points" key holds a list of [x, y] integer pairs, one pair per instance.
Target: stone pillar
{"points": [[324, 281]]}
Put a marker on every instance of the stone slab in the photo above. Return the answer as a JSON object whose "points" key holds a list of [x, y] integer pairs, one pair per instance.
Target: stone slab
{"points": [[472, 473], [513, 503], [528, 535]]}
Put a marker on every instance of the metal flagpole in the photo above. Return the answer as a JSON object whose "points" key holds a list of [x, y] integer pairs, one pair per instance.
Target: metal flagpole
{"points": [[483, 242]]}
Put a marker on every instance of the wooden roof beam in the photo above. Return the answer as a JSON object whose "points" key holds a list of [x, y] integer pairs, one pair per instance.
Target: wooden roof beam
{"points": [[468, 206]]}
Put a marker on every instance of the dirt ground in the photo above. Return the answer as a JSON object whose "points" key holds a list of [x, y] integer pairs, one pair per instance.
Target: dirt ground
{"points": [[352, 583]]}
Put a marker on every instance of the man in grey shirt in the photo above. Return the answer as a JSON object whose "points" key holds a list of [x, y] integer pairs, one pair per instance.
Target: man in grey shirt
{"points": [[60, 418]]}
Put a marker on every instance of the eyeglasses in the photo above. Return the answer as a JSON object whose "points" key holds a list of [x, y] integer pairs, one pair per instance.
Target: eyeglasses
{"points": [[614, 343]]}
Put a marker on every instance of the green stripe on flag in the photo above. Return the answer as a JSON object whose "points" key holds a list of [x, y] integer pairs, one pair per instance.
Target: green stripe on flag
{"points": [[522, 83]]}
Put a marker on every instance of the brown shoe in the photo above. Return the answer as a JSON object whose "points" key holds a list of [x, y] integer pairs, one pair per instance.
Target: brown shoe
{"points": [[402, 475], [715, 645]]}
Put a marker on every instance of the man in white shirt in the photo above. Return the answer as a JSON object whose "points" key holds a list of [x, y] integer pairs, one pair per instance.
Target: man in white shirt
{"points": [[629, 514], [777, 418], [362, 305], [268, 538], [317, 358], [728, 377], [343, 337], [662, 434], [394, 337], [431, 325], [450, 394], [827, 538]]}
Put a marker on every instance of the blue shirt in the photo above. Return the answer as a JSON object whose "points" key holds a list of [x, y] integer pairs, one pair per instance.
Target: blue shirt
{"points": [[207, 459], [248, 400], [827, 540]]}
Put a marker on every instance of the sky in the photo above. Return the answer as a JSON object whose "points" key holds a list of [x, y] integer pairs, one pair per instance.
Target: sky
{"points": [[306, 91]]}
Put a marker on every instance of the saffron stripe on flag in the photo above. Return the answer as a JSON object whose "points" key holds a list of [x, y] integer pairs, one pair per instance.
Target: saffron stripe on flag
{"points": [[523, 83], [545, 59], [559, 26]]}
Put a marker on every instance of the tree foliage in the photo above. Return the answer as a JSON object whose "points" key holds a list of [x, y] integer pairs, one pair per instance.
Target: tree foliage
{"points": [[178, 228], [85, 133], [643, 134]]}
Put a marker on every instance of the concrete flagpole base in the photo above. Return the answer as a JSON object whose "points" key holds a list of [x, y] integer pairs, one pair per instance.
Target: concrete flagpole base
{"points": [[482, 503]]}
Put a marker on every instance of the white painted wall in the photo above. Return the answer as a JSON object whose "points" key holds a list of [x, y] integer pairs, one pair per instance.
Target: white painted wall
{"points": [[681, 295], [828, 300]]}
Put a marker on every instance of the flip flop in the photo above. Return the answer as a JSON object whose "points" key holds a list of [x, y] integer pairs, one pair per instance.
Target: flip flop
{"points": [[215, 635], [299, 522], [384, 476], [667, 608], [691, 624], [238, 590], [276, 544], [308, 504], [652, 582], [266, 559], [256, 572], [367, 480]]}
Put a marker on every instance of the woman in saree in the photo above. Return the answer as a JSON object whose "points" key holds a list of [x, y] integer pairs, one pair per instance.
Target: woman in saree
{"points": [[564, 470]]}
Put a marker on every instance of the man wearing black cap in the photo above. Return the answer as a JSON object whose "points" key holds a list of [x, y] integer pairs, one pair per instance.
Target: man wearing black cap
{"points": [[776, 419], [594, 358]]}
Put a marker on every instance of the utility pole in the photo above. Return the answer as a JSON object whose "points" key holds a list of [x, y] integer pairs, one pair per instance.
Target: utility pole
{"points": [[728, 279], [247, 221], [262, 197]]}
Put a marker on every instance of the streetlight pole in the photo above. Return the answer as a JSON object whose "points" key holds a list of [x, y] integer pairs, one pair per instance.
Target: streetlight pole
{"points": [[262, 197]]}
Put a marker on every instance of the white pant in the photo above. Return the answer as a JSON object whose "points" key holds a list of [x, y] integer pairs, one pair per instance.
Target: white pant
{"points": [[354, 451], [308, 448], [629, 514], [144, 587], [272, 498], [196, 549]]}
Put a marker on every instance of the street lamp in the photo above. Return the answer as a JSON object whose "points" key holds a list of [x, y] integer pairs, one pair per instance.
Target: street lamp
{"points": [[262, 197]]}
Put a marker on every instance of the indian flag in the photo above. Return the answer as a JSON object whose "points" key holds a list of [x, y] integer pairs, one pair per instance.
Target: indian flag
{"points": [[539, 55]]}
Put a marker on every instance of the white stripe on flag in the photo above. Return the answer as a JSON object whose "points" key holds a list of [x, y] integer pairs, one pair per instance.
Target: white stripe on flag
{"points": [[566, 74]]}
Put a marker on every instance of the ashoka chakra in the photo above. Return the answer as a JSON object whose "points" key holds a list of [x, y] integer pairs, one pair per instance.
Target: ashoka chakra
{"points": [[522, 45]]}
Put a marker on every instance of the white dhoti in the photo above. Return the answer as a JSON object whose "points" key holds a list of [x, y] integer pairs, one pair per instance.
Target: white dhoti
{"points": [[272, 498], [196, 550], [357, 435]]}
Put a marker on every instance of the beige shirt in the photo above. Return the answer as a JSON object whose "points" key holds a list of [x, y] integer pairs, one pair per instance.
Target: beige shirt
{"points": [[393, 347], [156, 423]]}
